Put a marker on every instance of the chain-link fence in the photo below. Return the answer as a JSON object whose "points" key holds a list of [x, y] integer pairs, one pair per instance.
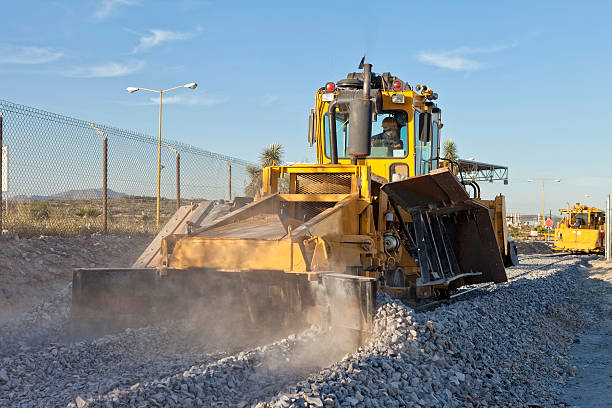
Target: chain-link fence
{"points": [[55, 175]]}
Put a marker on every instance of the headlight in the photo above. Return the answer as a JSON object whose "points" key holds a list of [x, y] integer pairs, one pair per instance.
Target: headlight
{"points": [[397, 98], [328, 97]]}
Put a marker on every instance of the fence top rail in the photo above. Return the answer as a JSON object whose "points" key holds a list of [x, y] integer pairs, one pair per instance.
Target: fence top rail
{"points": [[7, 106]]}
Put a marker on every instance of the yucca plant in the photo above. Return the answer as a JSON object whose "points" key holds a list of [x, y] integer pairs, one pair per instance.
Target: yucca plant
{"points": [[449, 151], [270, 156]]}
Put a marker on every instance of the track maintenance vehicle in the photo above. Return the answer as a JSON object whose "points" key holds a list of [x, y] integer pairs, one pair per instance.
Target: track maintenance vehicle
{"points": [[379, 211], [582, 229]]}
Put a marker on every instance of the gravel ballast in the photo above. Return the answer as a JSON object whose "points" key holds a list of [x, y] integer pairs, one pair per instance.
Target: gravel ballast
{"points": [[506, 345]]}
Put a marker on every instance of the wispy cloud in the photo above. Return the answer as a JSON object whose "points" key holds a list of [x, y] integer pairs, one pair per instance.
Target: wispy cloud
{"points": [[269, 99], [28, 55], [107, 7], [157, 37], [108, 69], [460, 59], [200, 99]]}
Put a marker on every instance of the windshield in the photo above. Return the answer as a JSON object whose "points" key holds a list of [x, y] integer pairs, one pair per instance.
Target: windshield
{"points": [[388, 135], [426, 152], [578, 220]]}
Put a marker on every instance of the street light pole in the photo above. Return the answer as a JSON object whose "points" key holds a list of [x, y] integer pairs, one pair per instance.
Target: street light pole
{"points": [[543, 210], [132, 89], [542, 180]]}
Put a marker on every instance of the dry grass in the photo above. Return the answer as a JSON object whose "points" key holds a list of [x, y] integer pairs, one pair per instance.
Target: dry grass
{"points": [[129, 215]]}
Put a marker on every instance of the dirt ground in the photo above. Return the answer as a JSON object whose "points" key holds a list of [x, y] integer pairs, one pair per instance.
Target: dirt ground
{"points": [[32, 269], [592, 385]]}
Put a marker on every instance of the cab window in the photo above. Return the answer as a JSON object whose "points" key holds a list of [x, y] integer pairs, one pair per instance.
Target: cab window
{"points": [[389, 138], [579, 220], [426, 152]]}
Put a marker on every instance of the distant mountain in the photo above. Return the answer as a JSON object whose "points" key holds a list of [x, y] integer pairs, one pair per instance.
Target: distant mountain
{"points": [[89, 194]]}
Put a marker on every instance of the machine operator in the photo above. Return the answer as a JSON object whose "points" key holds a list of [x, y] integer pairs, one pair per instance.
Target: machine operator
{"points": [[390, 136]]}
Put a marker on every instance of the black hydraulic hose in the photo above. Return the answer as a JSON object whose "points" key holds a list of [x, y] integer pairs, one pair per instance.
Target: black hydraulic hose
{"points": [[411, 242], [333, 139], [474, 187], [475, 184], [456, 164]]}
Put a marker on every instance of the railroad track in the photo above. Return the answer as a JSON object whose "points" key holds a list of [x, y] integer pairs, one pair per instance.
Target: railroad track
{"points": [[455, 296]]}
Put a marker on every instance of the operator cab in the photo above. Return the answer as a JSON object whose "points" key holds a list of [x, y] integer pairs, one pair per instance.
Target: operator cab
{"points": [[385, 143], [405, 126], [583, 217]]}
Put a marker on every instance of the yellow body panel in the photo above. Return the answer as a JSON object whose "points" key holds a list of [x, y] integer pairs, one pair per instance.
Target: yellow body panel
{"points": [[498, 218], [236, 254], [581, 240]]}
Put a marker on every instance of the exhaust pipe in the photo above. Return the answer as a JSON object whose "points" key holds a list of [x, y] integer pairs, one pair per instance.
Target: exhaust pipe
{"points": [[333, 138], [360, 110]]}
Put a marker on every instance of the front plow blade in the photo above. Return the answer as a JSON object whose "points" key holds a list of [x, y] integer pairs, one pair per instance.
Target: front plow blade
{"points": [[451, 235], [105, 300], [225, 303]]}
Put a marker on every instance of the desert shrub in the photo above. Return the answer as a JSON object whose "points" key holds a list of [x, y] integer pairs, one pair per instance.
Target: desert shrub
{"points": [[38, 210], [88, 212]]}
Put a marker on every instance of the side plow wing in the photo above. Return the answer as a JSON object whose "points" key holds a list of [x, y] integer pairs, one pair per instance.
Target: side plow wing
{"points": [[449, 234]]}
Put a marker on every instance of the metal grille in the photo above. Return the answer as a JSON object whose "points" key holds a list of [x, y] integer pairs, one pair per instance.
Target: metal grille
{"points": [[310, 210], [53, 158], [304, 211], [339, 183]]}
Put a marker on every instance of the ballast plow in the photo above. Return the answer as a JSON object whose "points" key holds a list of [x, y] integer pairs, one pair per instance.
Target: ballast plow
{"points": [[375, 213]]}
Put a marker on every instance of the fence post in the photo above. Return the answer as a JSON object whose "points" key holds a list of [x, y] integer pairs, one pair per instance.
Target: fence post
{"points": [[104, 178], [178, 180], [104, 184], [1, 193], [229, 180], [178, 174], [608, 237]]}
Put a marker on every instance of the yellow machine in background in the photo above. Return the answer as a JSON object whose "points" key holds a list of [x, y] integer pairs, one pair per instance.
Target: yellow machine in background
{"points": [[377, 211], [580, 230]]}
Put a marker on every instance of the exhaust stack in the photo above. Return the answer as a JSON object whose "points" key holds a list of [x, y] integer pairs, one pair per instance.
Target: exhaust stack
{"points": [[361, 119]]}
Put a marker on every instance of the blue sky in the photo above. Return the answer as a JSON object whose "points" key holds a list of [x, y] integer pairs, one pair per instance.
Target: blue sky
{"points": [[525, 84]]}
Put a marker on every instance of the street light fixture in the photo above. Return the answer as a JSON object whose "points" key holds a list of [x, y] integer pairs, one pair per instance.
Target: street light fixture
{"points": [[543, 181], [132, 89]]}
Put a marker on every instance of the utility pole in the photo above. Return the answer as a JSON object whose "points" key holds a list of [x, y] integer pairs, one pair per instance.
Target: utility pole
{"points": [[543, 180]]}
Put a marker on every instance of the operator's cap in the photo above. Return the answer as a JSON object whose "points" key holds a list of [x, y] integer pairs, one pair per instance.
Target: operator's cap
{"points": [[389, 123]]}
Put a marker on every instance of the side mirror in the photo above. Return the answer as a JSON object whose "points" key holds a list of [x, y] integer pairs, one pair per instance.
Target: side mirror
{"points": [[425, 128], [311, 128]]}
